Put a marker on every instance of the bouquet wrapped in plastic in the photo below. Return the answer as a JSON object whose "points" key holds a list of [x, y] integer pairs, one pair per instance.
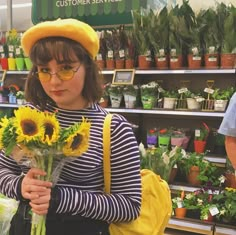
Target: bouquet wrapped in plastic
{"points": [[35, 138], [8, 208]]}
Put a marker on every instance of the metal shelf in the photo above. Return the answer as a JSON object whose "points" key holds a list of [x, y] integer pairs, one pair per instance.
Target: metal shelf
{"points": [[191, 226], [180, 71], [16, 72], [224, 230], [7, 105], [166, 112]]}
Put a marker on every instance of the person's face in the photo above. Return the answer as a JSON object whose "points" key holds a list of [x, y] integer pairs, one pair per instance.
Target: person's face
{"points": [[67, 94]]}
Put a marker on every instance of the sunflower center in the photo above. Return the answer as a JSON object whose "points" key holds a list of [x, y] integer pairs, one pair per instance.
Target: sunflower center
{"points": [[49, 130], [76, 141], [29, 127]]}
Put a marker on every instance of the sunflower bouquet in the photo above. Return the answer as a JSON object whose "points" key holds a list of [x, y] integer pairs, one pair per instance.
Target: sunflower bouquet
{"points": [[35, 138]]}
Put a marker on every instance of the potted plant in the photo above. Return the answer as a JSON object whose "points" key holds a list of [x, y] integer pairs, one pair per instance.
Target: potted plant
{"points": [[169, 98], [141, 22], [101, 56], [20, 97], [161, 160], [116, 94], [13, 41], [159, 37], [13, 89], [179, 138], [211, 37], [200, 137], [221, 98], [110, 61], [4, 53], [219, 142], [149, 94], [194, 100], [130, 93], [228, 32], [193, 164], [183, 202], [226, 201]]}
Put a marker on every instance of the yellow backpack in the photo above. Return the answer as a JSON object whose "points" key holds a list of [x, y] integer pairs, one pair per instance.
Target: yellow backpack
{"points": [[156, 207]]}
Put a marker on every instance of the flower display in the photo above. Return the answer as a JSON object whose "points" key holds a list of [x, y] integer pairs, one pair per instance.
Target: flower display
{"points": [[36, 137], [161, 161]]}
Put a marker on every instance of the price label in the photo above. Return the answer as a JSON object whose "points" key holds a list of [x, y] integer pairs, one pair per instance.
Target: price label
{"points": [[214, 211], [183, 90], [209, 90], [197, 133]]}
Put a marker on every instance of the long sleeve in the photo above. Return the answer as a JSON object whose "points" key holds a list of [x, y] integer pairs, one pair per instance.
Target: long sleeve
{"points": [[123, 204]]}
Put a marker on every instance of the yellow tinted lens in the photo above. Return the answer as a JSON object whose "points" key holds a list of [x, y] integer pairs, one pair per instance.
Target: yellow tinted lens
{"points": [[44, 76], [65, 74]]}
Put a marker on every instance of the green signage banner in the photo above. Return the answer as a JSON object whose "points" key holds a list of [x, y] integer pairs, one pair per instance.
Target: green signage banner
{"points": [[93, 12]]}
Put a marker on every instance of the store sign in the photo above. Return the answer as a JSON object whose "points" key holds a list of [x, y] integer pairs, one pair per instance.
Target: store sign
{"points": [[94, 12]]}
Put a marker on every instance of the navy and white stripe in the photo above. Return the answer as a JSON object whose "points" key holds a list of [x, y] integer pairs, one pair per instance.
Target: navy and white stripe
{"points": [[81, 180]]}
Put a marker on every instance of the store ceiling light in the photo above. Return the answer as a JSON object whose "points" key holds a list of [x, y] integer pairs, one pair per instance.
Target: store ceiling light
{"points": [[21, 5]]}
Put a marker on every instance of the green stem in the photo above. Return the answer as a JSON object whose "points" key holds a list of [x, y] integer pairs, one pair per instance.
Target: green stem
{"points": [[49, 167]]}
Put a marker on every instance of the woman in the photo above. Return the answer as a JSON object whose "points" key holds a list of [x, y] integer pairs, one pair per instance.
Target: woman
{"points": [[65, 79], [228, 128]]}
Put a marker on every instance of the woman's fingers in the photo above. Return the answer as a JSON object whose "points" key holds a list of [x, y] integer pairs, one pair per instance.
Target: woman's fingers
{"points": [[32, 187]]}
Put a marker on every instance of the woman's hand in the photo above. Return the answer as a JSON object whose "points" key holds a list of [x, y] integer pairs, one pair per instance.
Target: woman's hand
{"points": [[37, 191]]}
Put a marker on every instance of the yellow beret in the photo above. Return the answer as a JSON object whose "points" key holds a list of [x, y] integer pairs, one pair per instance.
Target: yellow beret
{"points": [[67, 28]]}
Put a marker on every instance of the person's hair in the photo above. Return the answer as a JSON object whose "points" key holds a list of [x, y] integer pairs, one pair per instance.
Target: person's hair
{"points": [[61, 49]]}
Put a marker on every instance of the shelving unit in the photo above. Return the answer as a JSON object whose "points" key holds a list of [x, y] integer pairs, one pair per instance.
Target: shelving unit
{"points": [[145, 119]]}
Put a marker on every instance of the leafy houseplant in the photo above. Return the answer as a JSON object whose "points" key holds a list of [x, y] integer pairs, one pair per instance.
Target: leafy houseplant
{"points": [[226, 201], [141, 21], [200, 138], [149, 94], [161, 161], [130, 93], [228, 29], [116, 94]]}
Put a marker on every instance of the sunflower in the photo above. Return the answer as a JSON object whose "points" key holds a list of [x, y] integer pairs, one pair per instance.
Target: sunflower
{"points": [[77, 139], [3, 127], [29, 125], [51, 128]]}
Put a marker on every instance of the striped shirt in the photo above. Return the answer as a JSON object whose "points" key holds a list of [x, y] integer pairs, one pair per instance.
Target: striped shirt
{"points": [[81, 181]]}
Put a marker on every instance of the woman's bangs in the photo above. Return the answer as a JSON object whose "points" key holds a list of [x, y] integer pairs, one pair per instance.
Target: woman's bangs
{"points": [[58, 50]]}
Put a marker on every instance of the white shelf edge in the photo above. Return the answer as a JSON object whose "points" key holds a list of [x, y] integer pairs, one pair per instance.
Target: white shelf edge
{"points": [[11, 72], [224, 230], [166, 112], [180, 71], [189, 224], [5, 105], [156, 71], [185, 188]]}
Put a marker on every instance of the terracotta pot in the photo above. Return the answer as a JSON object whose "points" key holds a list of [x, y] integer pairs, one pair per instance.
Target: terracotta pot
{"points": [[161, 62], [228, 61], [172, 176], [209, 219], [129, 63], [120, 64], [194, 62], [110, 64], [230, 180], [101, 64], [180, 212], [176, 63], [199, 146], [144, 62], [211, 61], [104, 102], [192, 176]]}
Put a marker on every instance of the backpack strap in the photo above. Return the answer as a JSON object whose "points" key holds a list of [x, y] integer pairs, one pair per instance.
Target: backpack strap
{"points": [[107, 153]]}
